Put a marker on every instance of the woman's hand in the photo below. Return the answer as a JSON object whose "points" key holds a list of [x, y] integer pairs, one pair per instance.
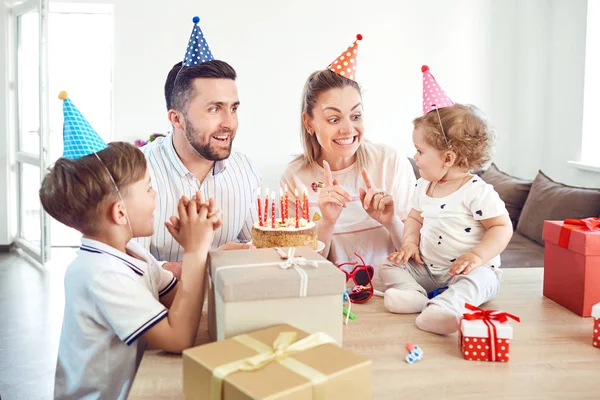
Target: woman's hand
{"points": [[378, 204], [332, 198]]}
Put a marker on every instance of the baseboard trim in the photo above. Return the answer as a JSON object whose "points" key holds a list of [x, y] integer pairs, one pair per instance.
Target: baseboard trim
{"points": [[6, 248]]}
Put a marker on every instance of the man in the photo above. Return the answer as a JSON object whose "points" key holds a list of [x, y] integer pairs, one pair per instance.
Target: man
{"points": [[202, 103]]}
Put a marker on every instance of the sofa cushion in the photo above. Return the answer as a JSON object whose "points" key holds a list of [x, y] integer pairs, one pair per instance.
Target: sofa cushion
{"points": [[513, 191], [522, 253], [549, 200]]}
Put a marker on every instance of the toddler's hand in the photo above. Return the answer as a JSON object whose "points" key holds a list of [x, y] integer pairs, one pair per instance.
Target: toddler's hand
{"points": [[465, 264], [406, 252]]}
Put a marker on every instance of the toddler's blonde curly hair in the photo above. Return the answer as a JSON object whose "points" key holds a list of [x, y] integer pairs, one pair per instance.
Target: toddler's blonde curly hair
{"points": [[467, 130]]}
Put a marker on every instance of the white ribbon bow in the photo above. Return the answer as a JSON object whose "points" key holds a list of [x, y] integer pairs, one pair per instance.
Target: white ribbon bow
{"points": [[295, 263]]}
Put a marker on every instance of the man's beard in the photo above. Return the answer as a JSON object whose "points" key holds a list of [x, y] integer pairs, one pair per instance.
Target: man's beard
{"points": [[205, 150]]}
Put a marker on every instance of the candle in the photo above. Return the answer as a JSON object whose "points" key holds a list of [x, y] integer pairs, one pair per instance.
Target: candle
{"points": [[266, 214], [273, 210], [287, 204], [260, 221], [305, 205], [281, 209], [297, 216]]}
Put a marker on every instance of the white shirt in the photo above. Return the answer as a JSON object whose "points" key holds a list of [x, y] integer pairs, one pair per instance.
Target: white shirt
{"points": [[355, 231], [232, 183], [451, 224], [111, 299]]}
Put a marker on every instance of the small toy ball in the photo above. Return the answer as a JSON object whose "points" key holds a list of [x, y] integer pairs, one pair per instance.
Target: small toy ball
{"points": [[196, 19], [62, 95]]}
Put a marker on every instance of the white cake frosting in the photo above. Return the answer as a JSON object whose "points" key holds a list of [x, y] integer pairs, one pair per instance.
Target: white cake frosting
{"points": [[290, 225]]}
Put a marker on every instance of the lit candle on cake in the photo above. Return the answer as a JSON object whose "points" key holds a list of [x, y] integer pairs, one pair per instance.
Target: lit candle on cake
{"points": [[260, 221], [287, 204], [297, 216], [305, 205], [273, 210], [281, 209], [306, 202], [266, 214]]}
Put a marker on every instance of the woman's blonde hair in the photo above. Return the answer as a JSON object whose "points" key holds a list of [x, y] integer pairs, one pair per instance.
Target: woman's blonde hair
{"points": [[318, 83], [467, 132]]}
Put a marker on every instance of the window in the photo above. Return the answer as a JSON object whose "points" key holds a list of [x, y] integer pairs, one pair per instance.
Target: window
{"points": [[80, 61], [591, 101]]}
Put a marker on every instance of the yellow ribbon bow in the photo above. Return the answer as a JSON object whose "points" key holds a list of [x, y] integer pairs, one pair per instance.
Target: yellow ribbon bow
{"points": [[284, 346]]}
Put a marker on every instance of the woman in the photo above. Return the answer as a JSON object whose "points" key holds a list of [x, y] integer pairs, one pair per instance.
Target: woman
{"points": [[366, 187]]}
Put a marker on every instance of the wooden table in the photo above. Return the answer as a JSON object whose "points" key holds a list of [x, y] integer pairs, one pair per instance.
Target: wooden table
{"points": [[551, 354]]}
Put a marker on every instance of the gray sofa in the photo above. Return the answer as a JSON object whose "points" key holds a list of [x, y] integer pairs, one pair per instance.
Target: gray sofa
{"points": [[529, 203]]}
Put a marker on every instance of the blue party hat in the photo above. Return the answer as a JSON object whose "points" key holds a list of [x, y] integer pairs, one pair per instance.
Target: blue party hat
{"points": [[197, 51], [80, 139]]}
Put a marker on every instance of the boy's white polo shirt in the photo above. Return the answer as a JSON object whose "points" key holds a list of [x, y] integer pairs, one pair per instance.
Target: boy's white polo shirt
{"points": [[111, 299]]}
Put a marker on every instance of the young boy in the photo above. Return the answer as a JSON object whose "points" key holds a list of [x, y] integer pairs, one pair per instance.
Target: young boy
{"points": [[117, 298]]}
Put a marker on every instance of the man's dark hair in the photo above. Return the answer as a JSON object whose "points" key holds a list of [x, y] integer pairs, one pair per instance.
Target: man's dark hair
{"points": [[179, 88]]}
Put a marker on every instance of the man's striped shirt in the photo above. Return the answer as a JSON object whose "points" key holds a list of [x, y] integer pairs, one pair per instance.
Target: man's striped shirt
{"points": [[232, 183]]}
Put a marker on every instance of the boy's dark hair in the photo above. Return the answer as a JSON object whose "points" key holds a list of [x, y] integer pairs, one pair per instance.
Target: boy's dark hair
{"points": [[73, 191], [179, 88]]}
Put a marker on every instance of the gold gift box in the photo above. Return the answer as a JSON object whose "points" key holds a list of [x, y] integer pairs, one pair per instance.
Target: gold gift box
{"points": [[280, 362]]}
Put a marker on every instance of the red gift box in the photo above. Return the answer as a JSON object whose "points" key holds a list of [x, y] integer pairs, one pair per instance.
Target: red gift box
{"points": [[572, 263], [485, 335], [596, 331]]}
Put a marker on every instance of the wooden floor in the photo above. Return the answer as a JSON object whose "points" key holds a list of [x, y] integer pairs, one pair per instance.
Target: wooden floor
{"points": [[551, 354], [31, 310]]}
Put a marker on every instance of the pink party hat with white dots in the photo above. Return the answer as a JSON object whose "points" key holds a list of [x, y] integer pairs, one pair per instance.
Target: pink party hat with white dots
{"points": [[347, 62], [434, 96]]}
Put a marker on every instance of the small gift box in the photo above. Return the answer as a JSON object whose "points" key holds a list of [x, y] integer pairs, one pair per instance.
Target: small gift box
{"points": [[485, 335], [596, 331], [258, 288], [280, 362], [572, 263]]}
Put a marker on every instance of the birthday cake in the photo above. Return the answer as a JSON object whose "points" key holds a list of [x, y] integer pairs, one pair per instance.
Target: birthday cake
{"points": [[285, 234]]}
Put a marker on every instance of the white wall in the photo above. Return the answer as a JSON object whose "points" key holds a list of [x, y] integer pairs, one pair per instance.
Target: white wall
{"points": [[275, 45], [522, 62], [537, 87]]}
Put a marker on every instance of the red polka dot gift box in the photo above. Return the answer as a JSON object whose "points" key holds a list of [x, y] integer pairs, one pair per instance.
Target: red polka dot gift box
{"points": [[485, 335], [596, 330]]}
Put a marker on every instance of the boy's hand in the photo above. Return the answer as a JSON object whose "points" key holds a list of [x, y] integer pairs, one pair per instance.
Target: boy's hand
{"points": [[195, 229], [176, 223], [465, 264], [406, 252]]}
